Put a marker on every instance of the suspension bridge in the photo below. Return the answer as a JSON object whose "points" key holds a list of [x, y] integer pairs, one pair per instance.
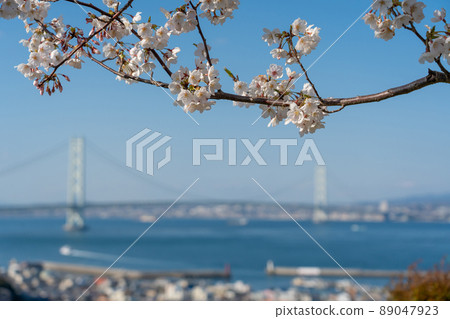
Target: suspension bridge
{"points": [[76, 204]]}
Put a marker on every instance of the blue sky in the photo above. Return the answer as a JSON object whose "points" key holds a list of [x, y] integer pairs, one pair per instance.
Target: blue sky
{"points": [[391, 149]]}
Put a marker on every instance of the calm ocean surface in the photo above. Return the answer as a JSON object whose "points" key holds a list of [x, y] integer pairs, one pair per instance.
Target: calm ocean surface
{"points": [[198, 244]]}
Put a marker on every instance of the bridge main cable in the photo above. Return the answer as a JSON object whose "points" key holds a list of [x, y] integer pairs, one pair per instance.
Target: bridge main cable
{"points": [[36, 158]]}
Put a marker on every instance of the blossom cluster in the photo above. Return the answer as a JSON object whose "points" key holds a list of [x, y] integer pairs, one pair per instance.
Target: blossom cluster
{"points": [[151, 38], [269, 85], [182, 20], [47, 43], [305, 107], [438, 42], [24, 9], [43, 50], [307, 116], [217, 11], [387, 16], [134, 60], [137, 64], [117, 29], [187, 84], [306, 36], [304, 110], [46, 49]]}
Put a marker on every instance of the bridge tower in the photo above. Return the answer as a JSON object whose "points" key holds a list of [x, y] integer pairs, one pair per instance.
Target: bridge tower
{"points": [[75, 187], [320, 194]]}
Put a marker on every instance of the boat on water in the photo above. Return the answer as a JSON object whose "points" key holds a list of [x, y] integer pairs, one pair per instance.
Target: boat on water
{"points": [[238, 222], [147, 219]]}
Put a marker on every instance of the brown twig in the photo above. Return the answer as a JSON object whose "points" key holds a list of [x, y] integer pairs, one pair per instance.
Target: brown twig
{"points": [[433, 77], [127, 76], [220, 95], [90, 5], [414, 30], [441, 66], [199, 28], [305, 72]]}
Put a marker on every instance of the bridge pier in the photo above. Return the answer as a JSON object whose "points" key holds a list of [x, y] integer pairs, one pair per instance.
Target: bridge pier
{"points": [[320, 194], [76, 186]]}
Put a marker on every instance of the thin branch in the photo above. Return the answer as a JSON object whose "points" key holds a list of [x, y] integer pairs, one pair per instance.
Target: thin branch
{"points": [[305, 72], [220, 95], [90, 5], [433, 77], [130, 77], [414, 30], [161, 62], [334, 111], [441, 66], [199, 28]]}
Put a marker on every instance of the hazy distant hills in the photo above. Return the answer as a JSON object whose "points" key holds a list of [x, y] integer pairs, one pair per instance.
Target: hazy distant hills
{"points": [[435, 199]]}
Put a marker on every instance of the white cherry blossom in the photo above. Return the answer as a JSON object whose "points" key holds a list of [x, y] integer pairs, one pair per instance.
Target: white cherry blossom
{"points": [[275, 71], [414, 9], [299, 27], [111, 3], [439, 15], [382, 6]]}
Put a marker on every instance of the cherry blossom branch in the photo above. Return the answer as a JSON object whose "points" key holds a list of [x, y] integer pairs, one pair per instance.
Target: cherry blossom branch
{"points": [[103, 65], [220, 95], [155, 54], [199, 28], [86, 40], [433, 77]]}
